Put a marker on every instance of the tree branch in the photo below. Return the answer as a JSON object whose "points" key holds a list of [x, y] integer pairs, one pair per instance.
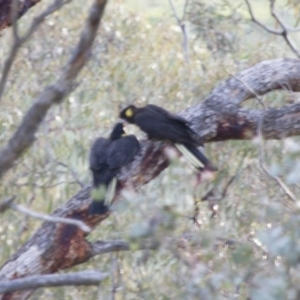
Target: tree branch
{"points": [[25, 134], [47, 218], [285, 29], [33, 282], [253, 19], [18, 42], [58, 246]]}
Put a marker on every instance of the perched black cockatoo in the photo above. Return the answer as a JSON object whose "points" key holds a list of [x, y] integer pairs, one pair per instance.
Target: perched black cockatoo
{"points": [[107, 157], [160, 124]]}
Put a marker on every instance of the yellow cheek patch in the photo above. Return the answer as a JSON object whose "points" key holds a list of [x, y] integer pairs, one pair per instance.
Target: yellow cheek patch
{"points": [[129, 113]]}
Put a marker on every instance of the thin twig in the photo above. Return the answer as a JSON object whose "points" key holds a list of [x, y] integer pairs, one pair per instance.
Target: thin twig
{"points": [[102, 247], [258, 98], [263, 165], [74, 174], [186, 4], [175, 13], [268, 29], [284, 187], [183, 30], [214, 199], [230, 181], [44, 186], [48, 218], [278, 19], [13, 19], [285, 28], [52, 280], [113, 268]]}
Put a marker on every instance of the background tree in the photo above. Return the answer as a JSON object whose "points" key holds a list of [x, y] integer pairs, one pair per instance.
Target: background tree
{"points": [[246, 245]]}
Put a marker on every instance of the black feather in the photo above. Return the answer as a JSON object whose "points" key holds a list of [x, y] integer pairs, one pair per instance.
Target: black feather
{"points": [[107, 157], [160, 124]]}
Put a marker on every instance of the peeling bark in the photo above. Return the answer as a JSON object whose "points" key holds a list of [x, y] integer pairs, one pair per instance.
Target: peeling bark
{"points": [[218, 118]]}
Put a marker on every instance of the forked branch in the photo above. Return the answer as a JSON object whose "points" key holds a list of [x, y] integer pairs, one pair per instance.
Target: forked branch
{"points": [[284, 31]]}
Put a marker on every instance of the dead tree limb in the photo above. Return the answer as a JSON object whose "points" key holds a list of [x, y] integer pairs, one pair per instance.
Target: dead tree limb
{"points": [[219, 117]]}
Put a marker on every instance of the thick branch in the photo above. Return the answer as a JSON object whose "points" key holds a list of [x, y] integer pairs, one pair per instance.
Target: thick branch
{"points": [[220, 116], [59, 246]]}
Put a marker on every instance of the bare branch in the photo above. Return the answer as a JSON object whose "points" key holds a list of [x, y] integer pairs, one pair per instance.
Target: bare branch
{"points": [[175, 13], [278, 19], [25, 134], [18, 42], [183, 29], [47, 218], [13, 19], [186, 5], [259, 99], [53, 280], [268, 29], [285, 28], [102, 247]]}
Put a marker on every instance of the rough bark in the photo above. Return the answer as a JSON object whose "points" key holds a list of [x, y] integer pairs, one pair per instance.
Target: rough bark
{"points": [[218, 118], [5, 10]]}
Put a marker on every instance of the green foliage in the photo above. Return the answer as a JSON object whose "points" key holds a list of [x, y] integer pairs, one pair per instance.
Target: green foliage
{"points": [[248, 247]]}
